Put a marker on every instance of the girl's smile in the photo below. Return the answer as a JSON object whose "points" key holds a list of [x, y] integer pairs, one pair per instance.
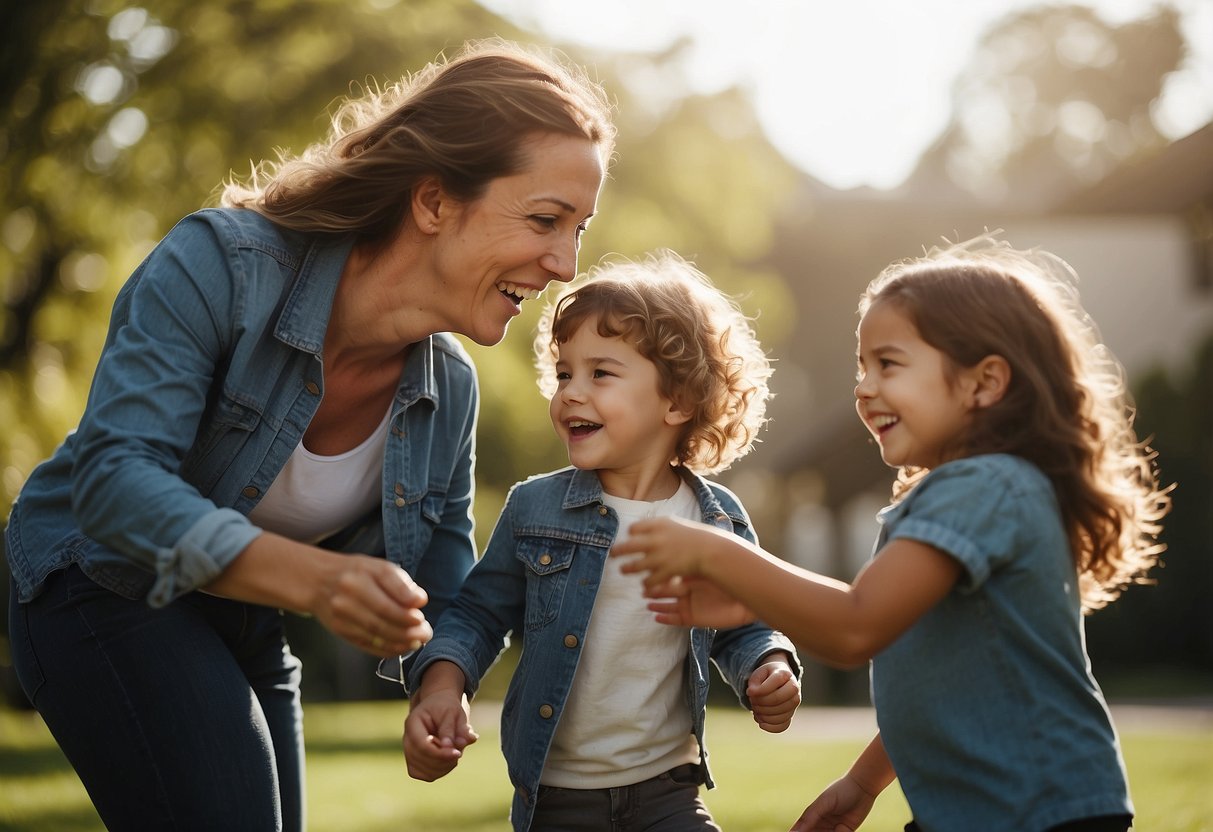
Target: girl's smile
{"points": [[909, 395]]}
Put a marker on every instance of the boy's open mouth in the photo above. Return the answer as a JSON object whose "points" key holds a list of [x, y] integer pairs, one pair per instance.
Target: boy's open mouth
{"points": [[580, 427]]}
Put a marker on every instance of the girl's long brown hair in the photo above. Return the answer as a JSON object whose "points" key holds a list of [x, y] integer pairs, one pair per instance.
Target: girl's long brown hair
{"points": [[1066, 409]]}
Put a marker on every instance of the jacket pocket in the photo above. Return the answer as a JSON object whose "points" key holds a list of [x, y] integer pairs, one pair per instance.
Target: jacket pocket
{"points": [[547, 565], [432, 506], [223, 434]]}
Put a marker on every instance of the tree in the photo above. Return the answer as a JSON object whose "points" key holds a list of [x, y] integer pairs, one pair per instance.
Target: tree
{"points": [[1053, 99], [121, 121]]}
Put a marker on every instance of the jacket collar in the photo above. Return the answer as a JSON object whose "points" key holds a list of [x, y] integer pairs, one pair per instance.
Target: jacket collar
{"points": [[585, 489], [305, 316]]}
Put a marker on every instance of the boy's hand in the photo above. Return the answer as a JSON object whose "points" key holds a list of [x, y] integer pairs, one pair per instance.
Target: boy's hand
{"points": [[435, 734], [774, 694]]}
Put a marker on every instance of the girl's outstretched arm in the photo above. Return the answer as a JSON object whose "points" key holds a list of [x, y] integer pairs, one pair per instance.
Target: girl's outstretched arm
{"points": [[846, 802], [837, 623]]}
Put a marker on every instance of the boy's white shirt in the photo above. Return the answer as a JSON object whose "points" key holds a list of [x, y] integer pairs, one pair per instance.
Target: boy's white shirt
{"points": [[626, 718]]}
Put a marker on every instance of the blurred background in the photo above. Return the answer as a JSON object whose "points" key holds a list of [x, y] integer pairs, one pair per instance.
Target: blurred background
{"points": [[791, 149]]}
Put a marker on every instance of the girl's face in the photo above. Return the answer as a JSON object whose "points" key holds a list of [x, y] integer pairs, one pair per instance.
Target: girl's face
{"points": [[523, 233], [916, 411], [610, 412]]}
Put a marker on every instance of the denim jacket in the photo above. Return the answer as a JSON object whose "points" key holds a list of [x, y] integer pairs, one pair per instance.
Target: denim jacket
{"points": [[210, 374], [539, 577]]}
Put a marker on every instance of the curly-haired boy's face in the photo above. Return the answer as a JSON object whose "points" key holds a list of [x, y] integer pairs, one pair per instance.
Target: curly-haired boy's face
{"points": [[610, 412]]}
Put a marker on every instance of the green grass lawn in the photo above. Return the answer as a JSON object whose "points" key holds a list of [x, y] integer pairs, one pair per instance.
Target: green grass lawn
{"points": [[357, 780]]}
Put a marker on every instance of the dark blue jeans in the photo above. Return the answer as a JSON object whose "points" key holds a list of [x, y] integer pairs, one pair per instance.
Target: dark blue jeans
{"points": [[1106, 823], [669, 802], [182, 718]]}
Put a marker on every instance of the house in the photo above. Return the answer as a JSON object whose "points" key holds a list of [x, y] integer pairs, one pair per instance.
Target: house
{"points": [[1141, 241]]}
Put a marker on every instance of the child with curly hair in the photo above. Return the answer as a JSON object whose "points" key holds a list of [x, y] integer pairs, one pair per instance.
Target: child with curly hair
{"points": [[655, 380], [1024, 499]]}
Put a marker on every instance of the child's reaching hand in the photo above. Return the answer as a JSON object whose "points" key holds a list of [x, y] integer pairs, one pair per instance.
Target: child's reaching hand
{"points": [[437, 728], [697, 602], [671, 547], [846, 802], [774, 694], [842, 807]]}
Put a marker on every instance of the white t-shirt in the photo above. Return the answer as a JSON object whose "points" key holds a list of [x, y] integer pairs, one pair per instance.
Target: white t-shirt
{"points": [[626, 718], [314, 496]]}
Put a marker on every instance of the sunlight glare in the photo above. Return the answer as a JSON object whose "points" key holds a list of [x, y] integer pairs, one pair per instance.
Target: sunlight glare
{"points": [[851, 92]]}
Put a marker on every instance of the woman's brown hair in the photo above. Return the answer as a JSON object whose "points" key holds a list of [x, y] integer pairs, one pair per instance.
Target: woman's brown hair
{"points": [[463, 121]]}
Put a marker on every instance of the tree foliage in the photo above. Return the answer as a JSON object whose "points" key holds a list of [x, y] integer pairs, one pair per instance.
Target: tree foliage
{"points": [[1052, 99], [125, 118]]}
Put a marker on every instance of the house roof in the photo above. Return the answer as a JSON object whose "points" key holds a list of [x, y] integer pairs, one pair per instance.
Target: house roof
{"points": [[1180, 175], [848, 239]]}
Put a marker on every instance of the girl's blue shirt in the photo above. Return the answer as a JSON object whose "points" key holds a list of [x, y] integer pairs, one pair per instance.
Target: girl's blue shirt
{"points": [[538, 578], [987, 706], [211, 371]]}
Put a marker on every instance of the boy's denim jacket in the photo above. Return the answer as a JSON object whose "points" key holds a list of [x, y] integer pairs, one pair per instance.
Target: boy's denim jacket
{"points": [[210, 374], [539, 577]]}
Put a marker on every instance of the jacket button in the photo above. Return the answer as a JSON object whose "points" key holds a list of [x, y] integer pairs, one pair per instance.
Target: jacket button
{"points": [[399, 502], [399, 489], [312, 387], [545, 559], [250, 491], [570, 640], [546, 711], [602, 510]]}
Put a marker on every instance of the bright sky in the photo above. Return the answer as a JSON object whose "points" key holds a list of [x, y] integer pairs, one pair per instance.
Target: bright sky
{"points": [[870, 67]]}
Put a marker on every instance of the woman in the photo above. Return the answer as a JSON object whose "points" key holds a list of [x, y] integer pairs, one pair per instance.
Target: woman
{"points": [[279, 421]]}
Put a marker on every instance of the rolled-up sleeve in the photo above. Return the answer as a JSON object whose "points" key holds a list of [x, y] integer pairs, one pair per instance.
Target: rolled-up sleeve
{"points": [[169, 331], [200, 554]]}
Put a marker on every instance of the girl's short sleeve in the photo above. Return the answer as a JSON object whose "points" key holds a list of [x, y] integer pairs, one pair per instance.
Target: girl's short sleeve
{"points": [[975, 510]]}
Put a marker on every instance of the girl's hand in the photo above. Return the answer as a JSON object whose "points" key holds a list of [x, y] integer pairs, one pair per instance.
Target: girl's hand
{"points": [[774, 695], [697, 602], [666, 548], [842, 807]]}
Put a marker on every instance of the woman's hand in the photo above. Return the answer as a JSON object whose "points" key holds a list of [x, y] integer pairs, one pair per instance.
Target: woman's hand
{"points": [[374, 605], [369, 602]]}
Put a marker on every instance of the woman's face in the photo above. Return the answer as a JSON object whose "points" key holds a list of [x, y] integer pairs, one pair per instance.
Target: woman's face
{"points": [[523, 233]]}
